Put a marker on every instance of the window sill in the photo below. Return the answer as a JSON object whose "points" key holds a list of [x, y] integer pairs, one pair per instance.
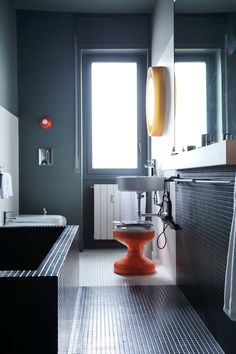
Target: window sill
{"points": [[222, 153]]}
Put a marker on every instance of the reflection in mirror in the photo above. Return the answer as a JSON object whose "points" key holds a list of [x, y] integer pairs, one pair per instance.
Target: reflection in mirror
{"points": [[205, 69], [190, 99]]}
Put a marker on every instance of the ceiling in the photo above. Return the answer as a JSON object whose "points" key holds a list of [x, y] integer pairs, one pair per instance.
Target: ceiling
{"points": [[125, 6], [89, 6]]}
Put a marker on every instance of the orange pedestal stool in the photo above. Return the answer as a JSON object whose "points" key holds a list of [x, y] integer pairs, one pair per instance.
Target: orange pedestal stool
{"points": [[134, 263]]}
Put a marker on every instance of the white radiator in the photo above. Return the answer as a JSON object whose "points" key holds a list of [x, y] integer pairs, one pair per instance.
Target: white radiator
{"points": [[110, 204]]}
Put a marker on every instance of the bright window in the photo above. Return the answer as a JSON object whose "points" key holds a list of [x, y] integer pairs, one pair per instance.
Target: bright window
{"points": [[191, 103], [114, 115]]}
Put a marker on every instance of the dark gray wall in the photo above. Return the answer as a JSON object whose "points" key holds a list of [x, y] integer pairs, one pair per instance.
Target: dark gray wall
{"points": [[46, 86], [199, 31], [113, 31], [8, 57]]}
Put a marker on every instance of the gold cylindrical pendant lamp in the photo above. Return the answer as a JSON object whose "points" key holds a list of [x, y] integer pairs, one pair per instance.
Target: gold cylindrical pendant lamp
{"points": [[156, 100]]}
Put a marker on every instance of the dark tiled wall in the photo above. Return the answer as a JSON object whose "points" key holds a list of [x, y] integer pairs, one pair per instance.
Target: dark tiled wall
{"points": [[204, 213]]}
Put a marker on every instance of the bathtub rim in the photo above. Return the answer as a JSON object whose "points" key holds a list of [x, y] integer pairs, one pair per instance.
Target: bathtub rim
{"points": [[53, 261]]}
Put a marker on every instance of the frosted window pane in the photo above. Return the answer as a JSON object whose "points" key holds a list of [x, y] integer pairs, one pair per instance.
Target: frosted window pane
{"points": [[114, 115], [191, 103]]}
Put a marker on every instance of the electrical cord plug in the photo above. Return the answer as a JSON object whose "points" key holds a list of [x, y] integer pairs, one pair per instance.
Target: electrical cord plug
{"points": [[168, 220]]}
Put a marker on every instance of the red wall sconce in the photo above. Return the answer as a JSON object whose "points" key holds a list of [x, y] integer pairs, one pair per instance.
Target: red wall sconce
{"points": [[46, 122]]}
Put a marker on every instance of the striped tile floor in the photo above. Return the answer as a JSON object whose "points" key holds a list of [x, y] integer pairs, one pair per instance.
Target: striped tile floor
{"points": [[137, 319]]}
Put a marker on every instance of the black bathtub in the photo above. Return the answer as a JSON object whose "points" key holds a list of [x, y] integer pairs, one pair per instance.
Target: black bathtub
{"points": [[38, 288]]}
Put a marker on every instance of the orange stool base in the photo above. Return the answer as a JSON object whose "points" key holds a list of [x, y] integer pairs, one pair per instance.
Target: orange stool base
{"points": [[134, 263], [130, 266]]}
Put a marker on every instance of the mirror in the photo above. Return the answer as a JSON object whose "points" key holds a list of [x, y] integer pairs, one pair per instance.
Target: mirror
{"points": [[205, 71]]}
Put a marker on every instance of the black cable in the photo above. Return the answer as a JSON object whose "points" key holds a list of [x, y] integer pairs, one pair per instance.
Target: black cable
{"points": [[155, 198], [165, 239], [163, 205], [165, 213]]}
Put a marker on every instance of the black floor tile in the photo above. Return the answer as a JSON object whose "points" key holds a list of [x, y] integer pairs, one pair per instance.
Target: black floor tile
{"points": [[139, 320]]}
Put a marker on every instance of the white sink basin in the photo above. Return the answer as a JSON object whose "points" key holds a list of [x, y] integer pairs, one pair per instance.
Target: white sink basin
{"points": [[140, 184]]}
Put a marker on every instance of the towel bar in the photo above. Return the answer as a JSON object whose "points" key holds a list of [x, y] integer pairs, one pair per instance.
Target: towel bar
{"points": [[214, 181], [203, 181]]}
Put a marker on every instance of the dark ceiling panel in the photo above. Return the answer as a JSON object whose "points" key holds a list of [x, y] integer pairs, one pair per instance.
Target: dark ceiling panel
{"points": [[88, 6], [125, 6], [204, 6]]}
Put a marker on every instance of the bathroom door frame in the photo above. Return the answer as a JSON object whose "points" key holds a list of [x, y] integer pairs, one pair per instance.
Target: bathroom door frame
{"points": [[89, 176]]}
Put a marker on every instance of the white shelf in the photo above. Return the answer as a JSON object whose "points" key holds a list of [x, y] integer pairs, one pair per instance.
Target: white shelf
{"points": [[222, 153]]}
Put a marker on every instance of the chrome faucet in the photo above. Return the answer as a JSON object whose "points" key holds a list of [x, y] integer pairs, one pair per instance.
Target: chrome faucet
{"points": [[45, 211], [152, 166], [7, 218]]}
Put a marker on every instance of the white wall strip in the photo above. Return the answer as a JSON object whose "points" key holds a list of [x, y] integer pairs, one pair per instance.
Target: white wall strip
{"points": [[9, 157]]}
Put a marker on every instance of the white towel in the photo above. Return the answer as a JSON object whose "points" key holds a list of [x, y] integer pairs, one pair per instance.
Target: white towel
{"points": [[6, 186], [230, 274]]}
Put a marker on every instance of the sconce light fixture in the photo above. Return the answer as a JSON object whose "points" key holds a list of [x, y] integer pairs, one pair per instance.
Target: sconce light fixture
{"points": [[155, 100], [45, 122]]}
